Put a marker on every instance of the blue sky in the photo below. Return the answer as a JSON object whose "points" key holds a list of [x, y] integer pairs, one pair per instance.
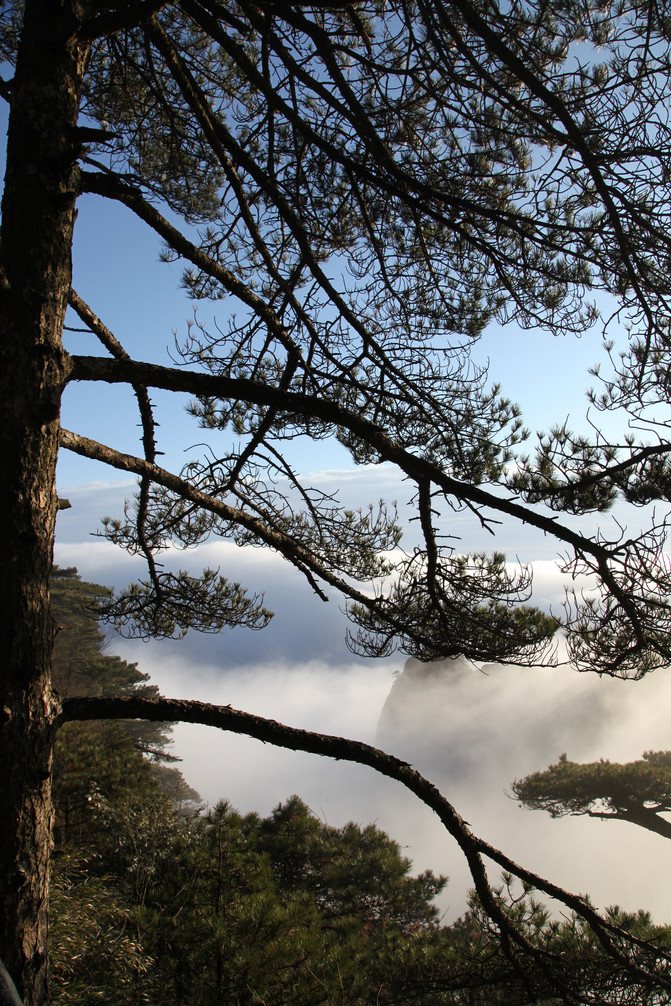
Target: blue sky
{"points": [[118, 272]]}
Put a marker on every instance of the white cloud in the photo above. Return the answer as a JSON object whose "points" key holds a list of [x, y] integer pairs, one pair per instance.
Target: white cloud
{"points": [[100, 486], [471, 735], [550, 583], [99, 561], [472, 738], [342, 700]]}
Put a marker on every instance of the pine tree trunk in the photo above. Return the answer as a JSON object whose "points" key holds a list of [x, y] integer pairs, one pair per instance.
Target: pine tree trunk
{"points": [[38, 211], [644, 818]]}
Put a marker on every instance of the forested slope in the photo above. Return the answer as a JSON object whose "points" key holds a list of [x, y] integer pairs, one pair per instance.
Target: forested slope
{"points": [[159, 900]]}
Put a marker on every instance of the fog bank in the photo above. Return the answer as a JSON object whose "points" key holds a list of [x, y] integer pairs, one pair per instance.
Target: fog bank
{"points": [[470, 731]]}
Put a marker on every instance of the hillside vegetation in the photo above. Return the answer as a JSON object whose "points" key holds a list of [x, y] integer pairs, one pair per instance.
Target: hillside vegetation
{"points": [[157, 899]]}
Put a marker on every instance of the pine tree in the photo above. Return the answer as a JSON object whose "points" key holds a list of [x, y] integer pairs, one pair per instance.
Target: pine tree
{"points": [[264, 910], [118, 807], [638, 791], [100, 758], [372, 185]]}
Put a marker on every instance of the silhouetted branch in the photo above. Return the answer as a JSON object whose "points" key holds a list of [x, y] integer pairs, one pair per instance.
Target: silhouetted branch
{"points": [[147, 420], [91, 368], [647, 963]]}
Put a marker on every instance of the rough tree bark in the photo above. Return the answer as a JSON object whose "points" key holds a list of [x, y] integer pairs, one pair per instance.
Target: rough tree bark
{"points": [[38, 214]]}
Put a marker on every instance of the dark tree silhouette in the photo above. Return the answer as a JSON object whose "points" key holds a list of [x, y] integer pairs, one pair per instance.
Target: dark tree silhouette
{"points": [[638, 791], [369, 185]]}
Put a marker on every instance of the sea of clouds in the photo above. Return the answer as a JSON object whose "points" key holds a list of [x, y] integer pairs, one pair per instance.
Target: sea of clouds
{"points": [[471, 731]]}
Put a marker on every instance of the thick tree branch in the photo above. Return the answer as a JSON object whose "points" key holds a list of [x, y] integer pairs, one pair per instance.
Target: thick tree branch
{"points": [[418, 469], [123, 18], [90, 368], [474, 848], [311, 562], [643, 817]]}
